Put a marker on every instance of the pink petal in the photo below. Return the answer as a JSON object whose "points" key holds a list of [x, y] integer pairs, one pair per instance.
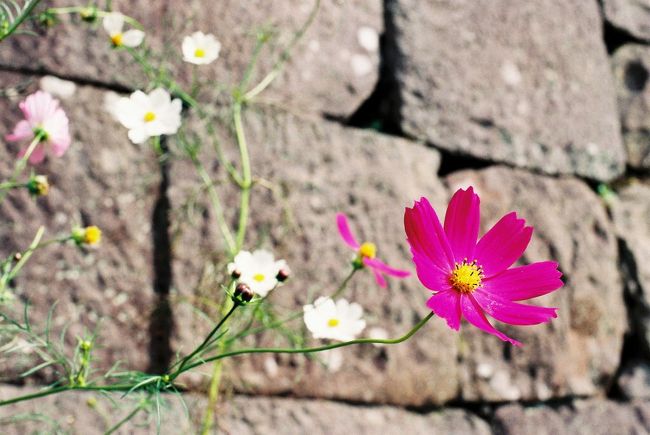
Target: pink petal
{"points": [[344, 230], [525, 282], [474, 315], [513, 313], [383, 267], [500, 247], [381, 281], [426, 236], [462, 223], [429, 274], [23, 130], [446, 305]]}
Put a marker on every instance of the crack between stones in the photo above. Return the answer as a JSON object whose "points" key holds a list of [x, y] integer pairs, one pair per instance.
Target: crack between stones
{"points": [[82, 81]]}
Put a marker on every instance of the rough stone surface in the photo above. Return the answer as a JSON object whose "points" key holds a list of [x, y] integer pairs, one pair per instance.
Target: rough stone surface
{"points": [[332, 70], [630, 210], [237, 415], [633, 16], [102, 180], [631, 65], [539, 95], [590, 417], [577, 353], [320, 168], [634, 380]]}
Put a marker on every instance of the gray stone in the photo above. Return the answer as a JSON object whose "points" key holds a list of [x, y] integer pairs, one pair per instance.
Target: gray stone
{"points": [[633, 16], [539, 95], [102, 180], [631, 64], [634, 380], [588, 417], [236, 415], [577, 353], [332, 70], [630, 210]]}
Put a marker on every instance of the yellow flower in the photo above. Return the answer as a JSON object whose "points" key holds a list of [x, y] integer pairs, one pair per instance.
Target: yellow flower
{"points": [[90, 235]]}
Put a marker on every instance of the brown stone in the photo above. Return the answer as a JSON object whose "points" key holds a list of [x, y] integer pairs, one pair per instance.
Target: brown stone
{"points": [[332, 70], [631, 64]]}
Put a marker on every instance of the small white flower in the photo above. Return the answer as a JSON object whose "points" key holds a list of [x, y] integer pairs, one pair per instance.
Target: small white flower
{"points": [[258, 270], [200, 49], [149, 115], [341, 321], [113, 24]]}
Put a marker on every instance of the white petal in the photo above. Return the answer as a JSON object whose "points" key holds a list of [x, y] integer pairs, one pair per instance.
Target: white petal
{"points": [[132, 38], [113, 23], [138, 135]]}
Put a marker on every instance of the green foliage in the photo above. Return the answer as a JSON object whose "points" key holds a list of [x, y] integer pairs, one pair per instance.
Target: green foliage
{"points": [[13, 14]]}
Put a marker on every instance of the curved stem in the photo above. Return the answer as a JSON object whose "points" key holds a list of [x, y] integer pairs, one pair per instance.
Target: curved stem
{"points": [[20, 19], [404, 337], [246, 174], [284, 57], [22, 162]]}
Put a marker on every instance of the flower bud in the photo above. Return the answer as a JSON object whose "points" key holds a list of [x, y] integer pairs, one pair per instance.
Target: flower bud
{"points": [[18, 256], [38, 185], [235, 274], [283, 274], [85, 345], [243, 293], [91, 235], [89, 14]]}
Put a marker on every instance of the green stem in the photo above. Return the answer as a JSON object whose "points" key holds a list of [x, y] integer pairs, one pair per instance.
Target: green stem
{"points": [[344, 284], [246, 174], [20, 19], [404, 337], [218, 209], [119, 424], [22, 162], [201, 346], [284, 57]]}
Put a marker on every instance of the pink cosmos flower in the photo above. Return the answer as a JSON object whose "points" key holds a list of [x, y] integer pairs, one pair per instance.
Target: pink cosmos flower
{"points": [[471, 278], [42, 116], [366, 253]]}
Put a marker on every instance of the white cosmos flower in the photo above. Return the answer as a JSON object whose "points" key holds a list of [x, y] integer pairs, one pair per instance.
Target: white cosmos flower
{"points": [[258, 270], [113, 24], [200, 48], [149, 115], [341, 321]]}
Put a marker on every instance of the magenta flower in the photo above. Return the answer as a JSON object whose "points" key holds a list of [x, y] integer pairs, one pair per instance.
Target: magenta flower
{"points": [[366, 253], [471, 278], [43, 117]]}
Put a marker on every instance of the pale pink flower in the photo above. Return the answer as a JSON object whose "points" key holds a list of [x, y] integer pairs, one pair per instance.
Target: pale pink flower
{"points": [[469, 277], [43, 116]]}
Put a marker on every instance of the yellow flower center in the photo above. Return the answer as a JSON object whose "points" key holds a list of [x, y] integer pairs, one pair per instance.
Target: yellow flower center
{"points": [[333, 322], [199, 52], [259, 277], [149, 116], [92, 235], [117, 39], [368, 250], [466, 277]]}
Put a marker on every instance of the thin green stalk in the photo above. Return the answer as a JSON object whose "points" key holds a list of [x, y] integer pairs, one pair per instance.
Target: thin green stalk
{"points": [[284, 57], [128, 417], [20, 19], [201, 346], [404, 337], [218, 209], [246, 174], [22, 162]]}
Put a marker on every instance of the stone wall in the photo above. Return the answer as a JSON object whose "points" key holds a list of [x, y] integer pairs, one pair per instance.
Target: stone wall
{"points": [[538, 104]]}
